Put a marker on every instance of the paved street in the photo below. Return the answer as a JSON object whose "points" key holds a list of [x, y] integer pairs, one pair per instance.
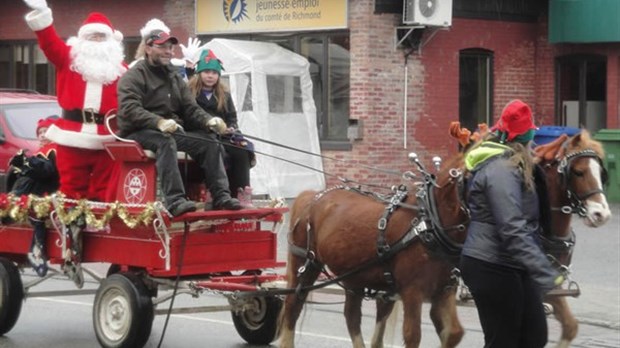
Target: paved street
{"points": [[66, 322]]}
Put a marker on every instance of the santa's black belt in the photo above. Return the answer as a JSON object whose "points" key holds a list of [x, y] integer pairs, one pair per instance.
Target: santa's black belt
{"points": [[82, 116]]}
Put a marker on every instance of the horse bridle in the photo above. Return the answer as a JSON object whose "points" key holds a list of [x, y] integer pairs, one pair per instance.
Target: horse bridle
{"points": [[576, 201], [434, 236]]}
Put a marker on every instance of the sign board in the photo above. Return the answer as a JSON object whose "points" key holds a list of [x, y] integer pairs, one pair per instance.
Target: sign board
{"points": [[252, 16]]}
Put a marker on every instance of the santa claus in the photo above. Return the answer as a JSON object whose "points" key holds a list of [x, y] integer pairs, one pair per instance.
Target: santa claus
{"points": [[88, 67]]}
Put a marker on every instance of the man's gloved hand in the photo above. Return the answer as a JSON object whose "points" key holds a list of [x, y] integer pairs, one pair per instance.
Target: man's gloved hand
{"points": [[191, 53], [217, 125], [36, 4], [19, 160], [167, 125]]}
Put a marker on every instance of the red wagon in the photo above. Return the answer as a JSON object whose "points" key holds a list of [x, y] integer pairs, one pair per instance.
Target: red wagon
{"points": [[224, 251]]}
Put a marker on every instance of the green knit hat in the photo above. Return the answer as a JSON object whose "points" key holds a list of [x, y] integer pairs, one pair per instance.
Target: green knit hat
{"points": [[208, 61]]}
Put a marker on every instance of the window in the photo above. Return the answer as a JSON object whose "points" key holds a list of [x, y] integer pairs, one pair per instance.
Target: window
{"points": [[475, 87], [5, 66], [284, 93], [24, 66], [581, 85]]}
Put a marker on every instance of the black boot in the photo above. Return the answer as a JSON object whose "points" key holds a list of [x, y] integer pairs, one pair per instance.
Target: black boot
{"points": [[73, 258], [37, 256]]}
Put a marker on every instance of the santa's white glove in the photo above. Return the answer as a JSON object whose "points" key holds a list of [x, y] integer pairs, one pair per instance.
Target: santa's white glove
{"points": [[36, 4], [217, 125], [167, 125], [191, 53]]}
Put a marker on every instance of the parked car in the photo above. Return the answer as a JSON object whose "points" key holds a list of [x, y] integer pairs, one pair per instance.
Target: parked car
{"points": [[19, 112]]}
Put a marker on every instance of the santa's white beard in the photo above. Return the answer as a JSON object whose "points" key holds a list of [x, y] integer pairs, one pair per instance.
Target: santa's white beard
{"points": [[97, 61]]}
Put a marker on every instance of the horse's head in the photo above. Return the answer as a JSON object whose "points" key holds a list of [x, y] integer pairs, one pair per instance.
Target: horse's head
{"points": [[451, 186], [441, 196], [576, 176]]}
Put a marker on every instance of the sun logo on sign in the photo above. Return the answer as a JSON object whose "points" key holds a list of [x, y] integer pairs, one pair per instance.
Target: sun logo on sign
{"points": [[235, 10]]}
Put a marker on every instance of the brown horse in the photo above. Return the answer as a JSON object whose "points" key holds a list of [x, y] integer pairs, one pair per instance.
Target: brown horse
{"points": [[573, 184], [574, 178], [392, 245]]}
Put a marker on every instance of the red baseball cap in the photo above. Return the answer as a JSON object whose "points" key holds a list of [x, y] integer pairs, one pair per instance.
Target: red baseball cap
{"points": [[159, 37], [516, 120]]}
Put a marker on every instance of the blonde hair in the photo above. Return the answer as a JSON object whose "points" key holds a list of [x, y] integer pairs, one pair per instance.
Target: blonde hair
{"points": [[521, 158], [140, 51], [219, 91]]}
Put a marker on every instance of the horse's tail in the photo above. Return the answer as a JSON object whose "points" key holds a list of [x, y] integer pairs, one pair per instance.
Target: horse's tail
{"points": [[299, 223], [299, 216]]}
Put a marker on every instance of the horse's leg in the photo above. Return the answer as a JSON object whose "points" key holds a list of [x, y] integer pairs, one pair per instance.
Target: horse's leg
{"points": [[293, 304], [412, 305], [444, 317], [384, 308], [563, 314], [353, 315]]}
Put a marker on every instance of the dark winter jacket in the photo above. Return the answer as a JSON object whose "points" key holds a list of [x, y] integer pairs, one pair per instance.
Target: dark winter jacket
{"points": [[210, 105], [36, 175], [504, 219], [147, 93]]}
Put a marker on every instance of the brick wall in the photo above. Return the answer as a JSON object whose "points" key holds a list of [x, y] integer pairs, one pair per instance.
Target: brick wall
{"points": [[523, 68], [126, 16]]}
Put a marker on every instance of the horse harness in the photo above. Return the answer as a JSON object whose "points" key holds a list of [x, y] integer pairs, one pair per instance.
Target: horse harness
{"points": [[576, 202], [426, 228], [558, 248]]}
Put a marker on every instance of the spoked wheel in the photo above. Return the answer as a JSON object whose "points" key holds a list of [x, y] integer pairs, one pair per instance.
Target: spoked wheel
{"points": [[123, 312], [259, 325], [11, 295]]}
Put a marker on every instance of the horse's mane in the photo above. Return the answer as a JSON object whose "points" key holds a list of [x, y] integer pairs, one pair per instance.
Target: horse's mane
{"points": [[586, 143], [560, 146]]}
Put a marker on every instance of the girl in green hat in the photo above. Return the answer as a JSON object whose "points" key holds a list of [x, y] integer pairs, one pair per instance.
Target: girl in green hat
{"points": [[215, 99]]}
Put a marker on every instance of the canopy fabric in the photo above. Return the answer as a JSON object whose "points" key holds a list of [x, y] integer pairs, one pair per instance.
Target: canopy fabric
{"points": [[272, 92]]}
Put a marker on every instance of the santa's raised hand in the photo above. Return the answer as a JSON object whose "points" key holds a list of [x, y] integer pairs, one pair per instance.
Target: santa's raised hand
{"points": [[191, 53], [36, 4]]}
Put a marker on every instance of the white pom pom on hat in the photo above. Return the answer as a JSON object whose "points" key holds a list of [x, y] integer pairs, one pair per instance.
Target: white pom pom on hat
{"points": [[152, 25], [98, 23]]}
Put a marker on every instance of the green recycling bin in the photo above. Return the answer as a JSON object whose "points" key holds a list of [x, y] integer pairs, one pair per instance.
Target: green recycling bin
{"points": [[610, 138]]}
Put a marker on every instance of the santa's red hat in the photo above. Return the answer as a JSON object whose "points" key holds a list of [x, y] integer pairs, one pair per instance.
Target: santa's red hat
{"points": [[98, 23]]}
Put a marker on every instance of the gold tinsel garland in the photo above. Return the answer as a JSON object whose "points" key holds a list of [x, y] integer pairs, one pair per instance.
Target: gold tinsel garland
{"points": [[19, 208]]}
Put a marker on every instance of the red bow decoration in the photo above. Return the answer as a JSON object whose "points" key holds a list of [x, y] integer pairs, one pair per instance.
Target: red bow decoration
{"points": [[210, 56]]}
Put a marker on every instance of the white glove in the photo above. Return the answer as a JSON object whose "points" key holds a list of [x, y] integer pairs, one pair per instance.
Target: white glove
{"points": [[217, 125], [167, 125], [36, 4], [191, 53]]}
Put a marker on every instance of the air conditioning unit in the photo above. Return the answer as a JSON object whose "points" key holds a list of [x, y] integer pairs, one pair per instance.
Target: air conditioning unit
{"points": [[432, 13]]}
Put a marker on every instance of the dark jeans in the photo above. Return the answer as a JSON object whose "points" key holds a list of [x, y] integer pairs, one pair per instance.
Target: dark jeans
{"points": [[202, 146], [237, 168], [509, 304]]}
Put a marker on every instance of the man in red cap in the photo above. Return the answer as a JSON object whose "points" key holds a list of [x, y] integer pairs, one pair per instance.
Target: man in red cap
{"points": [[88, 68], [158, 111]]}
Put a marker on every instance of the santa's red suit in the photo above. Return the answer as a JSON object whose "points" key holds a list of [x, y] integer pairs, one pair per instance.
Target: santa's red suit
{"points": [[86, 170]]}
